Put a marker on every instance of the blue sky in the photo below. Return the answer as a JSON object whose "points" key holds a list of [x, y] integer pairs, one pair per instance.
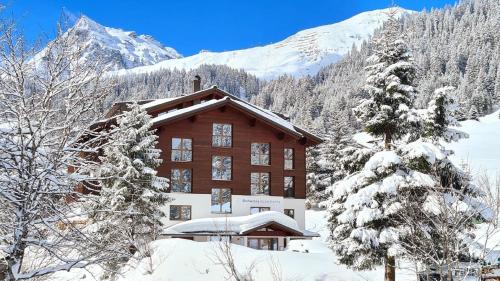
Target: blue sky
{"points": [[191, 25]]}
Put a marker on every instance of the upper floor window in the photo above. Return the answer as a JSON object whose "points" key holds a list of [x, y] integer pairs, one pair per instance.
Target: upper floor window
{"points": [[182, 150], [222, 135], [180, 180], [221, 201], [289, 212], [289, 190], [221, 168], [288, 155], [180, 212], [260, 154], [255, 210], [259, 183]]}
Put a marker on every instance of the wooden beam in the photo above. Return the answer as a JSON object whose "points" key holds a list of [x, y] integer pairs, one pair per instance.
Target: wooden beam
{"points": [[281, 135], [303, 141]]}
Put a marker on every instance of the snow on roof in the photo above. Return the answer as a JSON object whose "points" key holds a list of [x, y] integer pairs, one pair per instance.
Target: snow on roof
{"points": [[236, 225], [157, 102], [261, 112], [175, 113], [267, 115]]}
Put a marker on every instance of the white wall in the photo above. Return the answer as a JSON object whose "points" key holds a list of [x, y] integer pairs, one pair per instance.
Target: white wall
{"points": [[240, 205]]}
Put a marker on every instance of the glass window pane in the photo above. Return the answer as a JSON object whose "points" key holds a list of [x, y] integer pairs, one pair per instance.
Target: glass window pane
{"points": [[217, 130], [178, 212], [220, 200], [288, 155], [253, 243], [290, 213], [174, 213], [182, 150], [260, 153], [289, 190], [186, 213], [221, 135], [221, 167], [176, 143], [187, 144], [227, 130], [187, 156], [176, 155], [259, 183]]}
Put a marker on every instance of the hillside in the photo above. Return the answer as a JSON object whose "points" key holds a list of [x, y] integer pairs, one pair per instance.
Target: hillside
{"points": [[303, 53]]}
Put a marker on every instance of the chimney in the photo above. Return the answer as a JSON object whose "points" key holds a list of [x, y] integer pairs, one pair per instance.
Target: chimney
{"points": [[197, 83]]}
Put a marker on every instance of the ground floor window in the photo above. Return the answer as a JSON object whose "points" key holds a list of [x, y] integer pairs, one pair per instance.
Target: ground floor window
{"points": [[263, 243], [221, 201], [255, 210], [289, 212], [221, 238], [180, 212]]}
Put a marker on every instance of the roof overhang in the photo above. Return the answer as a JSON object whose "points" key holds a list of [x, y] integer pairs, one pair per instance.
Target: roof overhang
{"points": [[221, 103]]}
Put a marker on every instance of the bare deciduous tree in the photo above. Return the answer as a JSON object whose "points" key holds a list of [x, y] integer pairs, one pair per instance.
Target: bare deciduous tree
{"points": [[47, 102]]}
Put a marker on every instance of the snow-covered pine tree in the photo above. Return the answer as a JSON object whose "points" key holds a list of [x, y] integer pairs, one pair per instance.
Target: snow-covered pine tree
{"points": [[127, 210], [440, 220], [390, 86], [364, 226], [440, 115], [324, 161]]}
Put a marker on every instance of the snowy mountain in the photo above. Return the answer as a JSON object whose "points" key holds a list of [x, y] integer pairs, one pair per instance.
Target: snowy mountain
{"points": [[118, 48], [300, 54]]}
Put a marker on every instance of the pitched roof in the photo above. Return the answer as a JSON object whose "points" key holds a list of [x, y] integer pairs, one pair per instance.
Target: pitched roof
{"points": [[227, 99], [241, 225]]}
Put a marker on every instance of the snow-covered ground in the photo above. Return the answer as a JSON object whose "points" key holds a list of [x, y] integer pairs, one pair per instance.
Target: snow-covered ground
{"points": [[481, 151], [300, 54], [177, 259], [183, 260]]}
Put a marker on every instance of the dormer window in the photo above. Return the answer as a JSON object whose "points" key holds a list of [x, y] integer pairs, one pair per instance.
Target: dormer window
{"points": [[222, 135]]}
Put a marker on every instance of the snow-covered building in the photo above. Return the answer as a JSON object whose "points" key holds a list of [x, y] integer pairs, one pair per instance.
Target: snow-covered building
{"points": [[227, 161]]}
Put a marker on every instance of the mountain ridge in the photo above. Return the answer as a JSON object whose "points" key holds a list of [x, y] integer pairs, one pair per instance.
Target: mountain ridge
{"points": [[303, 53], [119, 49]]}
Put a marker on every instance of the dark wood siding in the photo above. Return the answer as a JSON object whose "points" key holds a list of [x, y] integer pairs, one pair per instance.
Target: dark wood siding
{"points": [[244, 133]]}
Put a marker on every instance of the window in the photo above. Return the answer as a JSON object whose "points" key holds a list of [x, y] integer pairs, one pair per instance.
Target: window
{"points": [[180, 212], [260, 154], [221, 168], [255, 210], [289, 187], [259, 183], [221, 201], [289, 212], [221, 135], [182, 150], [180, 180], [288, 154], [221, 238], [263, 243]]}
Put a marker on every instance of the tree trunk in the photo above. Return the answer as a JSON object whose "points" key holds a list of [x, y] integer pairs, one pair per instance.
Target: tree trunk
{"points": [[387, 140], [390, 269]]}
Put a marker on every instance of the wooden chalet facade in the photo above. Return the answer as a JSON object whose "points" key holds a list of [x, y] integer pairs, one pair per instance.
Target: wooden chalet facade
{"points": [[227, 158]]}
